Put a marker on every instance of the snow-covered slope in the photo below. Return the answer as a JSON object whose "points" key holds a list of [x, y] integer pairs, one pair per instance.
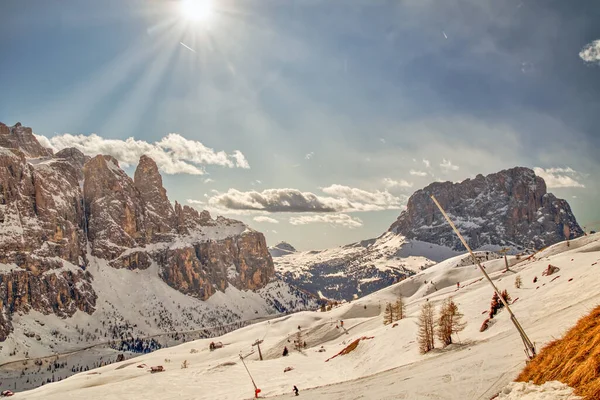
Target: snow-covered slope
{"points": [[386, 366], [361, 268]]}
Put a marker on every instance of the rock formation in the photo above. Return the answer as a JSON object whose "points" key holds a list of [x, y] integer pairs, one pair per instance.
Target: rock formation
{"points": [[53, 208], [508, 208]]}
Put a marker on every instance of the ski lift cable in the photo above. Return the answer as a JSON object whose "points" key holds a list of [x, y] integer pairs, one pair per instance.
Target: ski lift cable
{"points": [[529, 346]]}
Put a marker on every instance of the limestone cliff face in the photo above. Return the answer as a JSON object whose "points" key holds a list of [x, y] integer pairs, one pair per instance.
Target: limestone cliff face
{"points": [[114, 209], [160, 216], [52, 208], [41, 221], [508, 208], [202, 268]]}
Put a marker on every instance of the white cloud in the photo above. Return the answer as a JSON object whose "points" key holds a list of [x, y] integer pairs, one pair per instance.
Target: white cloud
{"points": [[448, 166], [341, 199], [559, 177], [240, 160], [274, 231], [382, 140], [427, 163], [391, 183], [256, 182], [591, 52], [209, 180], [355, 195], [309, 155], [264, 218], [173, 154], [333, 219], [418, 173]]}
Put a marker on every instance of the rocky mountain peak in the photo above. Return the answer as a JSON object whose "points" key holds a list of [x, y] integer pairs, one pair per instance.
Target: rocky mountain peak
{"points": [[22, 138], [281, 249], [73, 156], [508, 208], [160, 216]]}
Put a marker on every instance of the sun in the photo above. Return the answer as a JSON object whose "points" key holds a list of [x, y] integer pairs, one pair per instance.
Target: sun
{"points": [[196, 10]]}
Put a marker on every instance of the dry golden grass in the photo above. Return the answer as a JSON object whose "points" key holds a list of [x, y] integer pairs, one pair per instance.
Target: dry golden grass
{"points": [[574, 359]]}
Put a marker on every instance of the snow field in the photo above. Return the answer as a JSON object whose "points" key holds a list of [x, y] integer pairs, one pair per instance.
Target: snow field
{"points": [[387, 366]]}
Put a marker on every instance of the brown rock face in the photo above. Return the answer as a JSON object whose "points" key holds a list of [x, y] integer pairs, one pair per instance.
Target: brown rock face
{"points": [[22, 138], [114, 209], [48, 220], [201, 269], [160, 216], [41, 220], [60, 292], [509, 208]]}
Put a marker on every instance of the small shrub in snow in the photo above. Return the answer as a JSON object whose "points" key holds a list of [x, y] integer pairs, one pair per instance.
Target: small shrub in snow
{"points": [[518, 282], [184, 364]]}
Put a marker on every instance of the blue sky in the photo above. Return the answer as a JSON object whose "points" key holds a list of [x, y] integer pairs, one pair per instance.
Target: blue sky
{"points": [[339, 110]]}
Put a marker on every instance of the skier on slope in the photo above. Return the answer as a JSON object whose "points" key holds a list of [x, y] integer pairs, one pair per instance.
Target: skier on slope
{"points": [[295, 390], [285, 351]]}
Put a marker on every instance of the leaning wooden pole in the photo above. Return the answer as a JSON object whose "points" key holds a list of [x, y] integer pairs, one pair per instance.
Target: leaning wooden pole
{"points": [[529, 347]]}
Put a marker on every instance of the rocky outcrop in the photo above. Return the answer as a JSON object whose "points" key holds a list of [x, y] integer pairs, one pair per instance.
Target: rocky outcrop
{"points": [[60, 291], [114, 209], [281, 249], [160, 216], [75, 157], [53, 208], [201, 269], [22, 138], [508, 208]]}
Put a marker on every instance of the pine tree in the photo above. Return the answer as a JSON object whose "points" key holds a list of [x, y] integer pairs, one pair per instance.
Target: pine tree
{"points": [[399, 309], [518, 282], [450, 322], [388, 314], [426, 323]]}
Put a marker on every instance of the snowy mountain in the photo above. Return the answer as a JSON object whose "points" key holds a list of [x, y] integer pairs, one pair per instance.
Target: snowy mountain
{"points": [[372, 360], [509, 208], [281, 249], [88, 255], [361, 268]]}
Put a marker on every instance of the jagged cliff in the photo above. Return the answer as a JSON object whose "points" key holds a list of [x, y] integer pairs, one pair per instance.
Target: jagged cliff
{"points": [[508, 208], [58, 211]]}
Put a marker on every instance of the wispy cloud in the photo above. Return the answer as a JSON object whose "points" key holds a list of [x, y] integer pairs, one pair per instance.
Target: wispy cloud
{"points": [[333, 219], [173, 154], [391, 183], [447, 166], [309, 155], [418, 173], [559, 177], [340, 199], [264, 218], [591, 52], [209, 180], [355, 195], [427, 163]]}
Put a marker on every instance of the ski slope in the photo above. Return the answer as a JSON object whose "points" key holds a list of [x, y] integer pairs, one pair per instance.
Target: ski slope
{"points": [[388, 366]]}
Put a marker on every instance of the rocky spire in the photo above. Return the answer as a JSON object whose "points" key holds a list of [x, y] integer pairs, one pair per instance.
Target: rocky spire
{"points": [[160, 216]]}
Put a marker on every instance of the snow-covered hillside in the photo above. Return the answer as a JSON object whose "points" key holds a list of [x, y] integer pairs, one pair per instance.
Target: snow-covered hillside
{"points": [[387, 363], [360, 268]]}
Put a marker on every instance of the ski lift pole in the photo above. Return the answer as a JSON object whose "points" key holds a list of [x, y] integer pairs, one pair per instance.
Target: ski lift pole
{"points": [[256, 389], [529, 347]]}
